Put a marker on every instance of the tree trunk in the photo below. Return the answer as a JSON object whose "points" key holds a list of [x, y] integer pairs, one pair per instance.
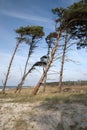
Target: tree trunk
{"points": [[44, 87], [18, 89], [9, 67], [44, 83], [26, 64], [45, 78], [52, 57], [48, 66], [62, 65], [29, 53]]}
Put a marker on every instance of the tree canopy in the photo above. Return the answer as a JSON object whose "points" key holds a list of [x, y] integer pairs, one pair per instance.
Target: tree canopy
{"points": [[75, 19], [36, 31]]}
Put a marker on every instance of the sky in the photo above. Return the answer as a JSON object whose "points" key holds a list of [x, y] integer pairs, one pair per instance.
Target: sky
{"points": [[16, 13]]}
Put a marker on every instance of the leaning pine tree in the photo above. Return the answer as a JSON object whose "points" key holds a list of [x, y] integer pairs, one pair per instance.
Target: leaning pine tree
{"points": [[20, 39], [74, 21], [33, 35], [50, 40], [76, 31]]}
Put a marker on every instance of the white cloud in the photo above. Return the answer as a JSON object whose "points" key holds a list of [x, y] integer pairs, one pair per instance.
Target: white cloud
{"points": [[24, 16], [32, 18]]}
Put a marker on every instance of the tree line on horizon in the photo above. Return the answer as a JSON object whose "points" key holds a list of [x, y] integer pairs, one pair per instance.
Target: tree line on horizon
{"points": [[70, 24], [68, 83]]}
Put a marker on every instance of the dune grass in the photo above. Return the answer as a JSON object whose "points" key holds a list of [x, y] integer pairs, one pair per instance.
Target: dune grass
{"points": [[51, 96]]}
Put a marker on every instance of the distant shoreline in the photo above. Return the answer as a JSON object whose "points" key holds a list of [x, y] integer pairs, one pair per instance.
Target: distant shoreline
{"points": [[68, 83], [9, 87]]}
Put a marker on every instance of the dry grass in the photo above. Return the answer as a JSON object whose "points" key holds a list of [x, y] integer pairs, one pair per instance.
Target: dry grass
{"points": [[74, 94]]}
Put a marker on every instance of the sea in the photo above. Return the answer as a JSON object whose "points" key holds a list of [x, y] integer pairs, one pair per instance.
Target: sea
{"points": [[9, 87]]}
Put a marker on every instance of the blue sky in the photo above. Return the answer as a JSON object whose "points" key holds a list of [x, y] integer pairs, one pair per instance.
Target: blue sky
{"points": [[16, 13]]}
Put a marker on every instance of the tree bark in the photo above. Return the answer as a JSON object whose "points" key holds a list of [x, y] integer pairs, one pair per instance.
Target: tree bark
{"points": [[62, 66], [44, 87], [45, 78], [48, 66], [9, 67], [18, 89], [52, 55], [26, 63], [29, 53], [44, 83]]}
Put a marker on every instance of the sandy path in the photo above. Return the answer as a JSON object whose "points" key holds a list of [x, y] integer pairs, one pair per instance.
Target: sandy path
{"points": [[39, 116]]}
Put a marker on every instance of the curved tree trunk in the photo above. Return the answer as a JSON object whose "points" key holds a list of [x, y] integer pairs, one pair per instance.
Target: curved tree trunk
{"points": [[9, 67], [52, 56], [26, 64], [62, 65], [47, 67], [19, 87]]}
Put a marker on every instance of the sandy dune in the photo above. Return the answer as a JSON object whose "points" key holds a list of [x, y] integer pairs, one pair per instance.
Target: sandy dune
{"points": [[40, 116]]}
